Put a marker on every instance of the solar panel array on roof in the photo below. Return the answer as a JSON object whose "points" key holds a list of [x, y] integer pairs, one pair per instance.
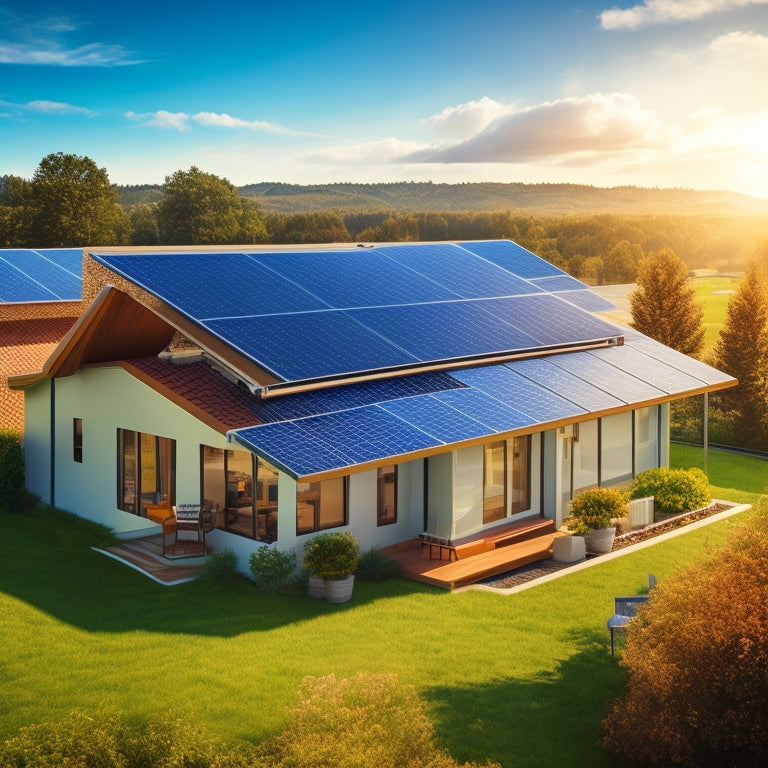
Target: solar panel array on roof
{"points": [[41, 275], [326, 313]]}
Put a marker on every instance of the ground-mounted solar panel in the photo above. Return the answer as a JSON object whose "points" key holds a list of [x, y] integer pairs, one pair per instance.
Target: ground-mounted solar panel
{"points": [[60, 282], [310, 344], [549, 320], [546, 374], [213, 285], [461, 272], [650, 370], [608, 377], [436, 418], [528, 397], [487, 410], [513, 257], [16, 287], [443, 331], [354, 277]]}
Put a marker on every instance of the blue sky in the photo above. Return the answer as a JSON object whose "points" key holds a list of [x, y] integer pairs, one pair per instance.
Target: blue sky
{"points": [[667, 93]]}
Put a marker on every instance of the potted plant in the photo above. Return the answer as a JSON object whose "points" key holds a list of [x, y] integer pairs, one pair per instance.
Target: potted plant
{"points": [[333, 558], [592, 515]]}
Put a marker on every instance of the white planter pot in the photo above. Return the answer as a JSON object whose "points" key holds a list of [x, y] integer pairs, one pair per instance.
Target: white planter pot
{"points": [[569, 549], [339, 591], [315, 587], [600, 540]]}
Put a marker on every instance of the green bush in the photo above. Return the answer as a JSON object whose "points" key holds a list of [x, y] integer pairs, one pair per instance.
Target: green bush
{"points": [[220, 566], [375, 565], [272, 569], [674, 490], [697, 663], [12, 480], [367, 721], [332, 556], [595, 509]]}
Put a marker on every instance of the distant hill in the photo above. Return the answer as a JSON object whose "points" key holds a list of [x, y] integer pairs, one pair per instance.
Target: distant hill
{"points": [[541, 199]]}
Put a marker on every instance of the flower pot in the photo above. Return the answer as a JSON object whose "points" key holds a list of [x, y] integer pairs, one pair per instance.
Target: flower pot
{"points": [[600, 540], [315, 587], [569, 549], [339, 591]]}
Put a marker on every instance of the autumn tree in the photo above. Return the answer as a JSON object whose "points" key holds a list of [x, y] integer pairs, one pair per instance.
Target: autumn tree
{"points": [[314, 227], [200, 208], [71, 204], [664, 304], [742, 351], [621, 263]]}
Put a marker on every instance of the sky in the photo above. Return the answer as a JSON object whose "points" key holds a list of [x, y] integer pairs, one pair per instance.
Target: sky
{"points": [[653, 93]]}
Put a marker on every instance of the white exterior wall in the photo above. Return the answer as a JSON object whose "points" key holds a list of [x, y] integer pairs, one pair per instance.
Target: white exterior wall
{"points": [[37, 440]]}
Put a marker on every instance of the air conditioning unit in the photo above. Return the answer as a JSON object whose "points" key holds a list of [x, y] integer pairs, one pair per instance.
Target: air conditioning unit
{"points": [[641, 512]]}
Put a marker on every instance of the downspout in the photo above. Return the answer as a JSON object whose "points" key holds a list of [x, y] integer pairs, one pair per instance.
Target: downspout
{"points": [[53, 440]]}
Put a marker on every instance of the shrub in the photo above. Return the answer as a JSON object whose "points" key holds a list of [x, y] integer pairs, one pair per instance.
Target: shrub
{"points": [[367, 721], [12, 480], [220, 566], [595, 509], [332, 556], [272, 569], [697, 663], [375, 565], [674, 490]]}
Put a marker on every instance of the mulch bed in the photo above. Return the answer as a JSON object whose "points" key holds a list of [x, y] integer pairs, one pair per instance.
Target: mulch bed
{"points": [[545, 567]]}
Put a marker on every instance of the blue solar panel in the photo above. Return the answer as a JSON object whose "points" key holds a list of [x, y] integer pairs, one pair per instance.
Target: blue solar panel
{"points": [[308, 345], [70, 259], [536, 402], [602, 374], [513, 257], [443, 331], [354, 278], [208, 285], [587, 300], [485, 409], [543, 372], [549, 319], [18, 287], [60, 282], [557, 283], [436, 418], [465, 275]]}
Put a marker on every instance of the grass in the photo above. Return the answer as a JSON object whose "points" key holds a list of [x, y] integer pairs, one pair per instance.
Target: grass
{"points": [[499, 672], [709, 291]]}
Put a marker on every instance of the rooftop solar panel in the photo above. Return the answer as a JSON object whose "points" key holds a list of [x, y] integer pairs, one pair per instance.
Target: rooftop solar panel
{"points": [[60, 282], [15, 286], [487, 410], [70, 259], [436, 418], [46, 275], [557, 283], [513, 257], [586, 300]]}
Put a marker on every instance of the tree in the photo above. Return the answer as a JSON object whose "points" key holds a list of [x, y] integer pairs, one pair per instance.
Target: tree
{"points": [[697, 663], [72, 204], [664, 305], [315, 227], [144, 225], [620, 264], [202, 209], [742, 351]]}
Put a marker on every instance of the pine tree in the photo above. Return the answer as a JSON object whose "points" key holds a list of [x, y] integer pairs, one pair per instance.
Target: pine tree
{"points": [[742, 351], [664, 305]]}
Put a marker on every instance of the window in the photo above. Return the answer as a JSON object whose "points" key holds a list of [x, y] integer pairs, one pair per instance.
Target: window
{"points": [[494, 481], [77, 440], [521, 475], [320, 505], [146, 471], [386, 495], [245, 507]]}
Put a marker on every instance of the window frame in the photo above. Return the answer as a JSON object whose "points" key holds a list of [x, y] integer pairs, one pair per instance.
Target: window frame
{"points": [[77, 440]]}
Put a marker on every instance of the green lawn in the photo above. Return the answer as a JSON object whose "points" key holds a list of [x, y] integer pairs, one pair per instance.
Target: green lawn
{"points": [[501, 673], [711, 292]]}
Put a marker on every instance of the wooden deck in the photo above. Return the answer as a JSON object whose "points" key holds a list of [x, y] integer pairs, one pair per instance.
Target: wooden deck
{"points": [[146, 555], [498, 551]]}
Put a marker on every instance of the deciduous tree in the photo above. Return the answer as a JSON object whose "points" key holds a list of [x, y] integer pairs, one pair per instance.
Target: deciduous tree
{"points": [[202, 209], [664, 305]]}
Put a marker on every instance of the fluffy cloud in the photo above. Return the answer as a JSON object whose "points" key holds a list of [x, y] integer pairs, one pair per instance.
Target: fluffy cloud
{"points": [[598, 123], [744, 47], [466, 120], [162, 119], [664, 11], [50, 108], [181, 121]]}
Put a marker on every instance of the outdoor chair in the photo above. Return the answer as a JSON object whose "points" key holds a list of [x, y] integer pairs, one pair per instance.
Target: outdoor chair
{"points": [[188, 519], [625, 609], [163, 515]]}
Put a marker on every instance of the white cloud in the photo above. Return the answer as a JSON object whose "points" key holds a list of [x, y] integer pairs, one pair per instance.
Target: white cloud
{"points": [[380, 151], [465, 120], [598, 123], [744, 47], [224, 120], [162, 119], [50, 107], [665, 11]]}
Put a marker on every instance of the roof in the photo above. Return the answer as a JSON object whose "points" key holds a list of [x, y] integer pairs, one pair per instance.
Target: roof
{"points": [[47, 274], [370, 355]]}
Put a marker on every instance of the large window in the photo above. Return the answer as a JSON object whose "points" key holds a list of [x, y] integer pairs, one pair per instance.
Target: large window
{"points": [[146, 471], [506, 478], [320, 505], [520, 499], [245, 507], [386, 495]]}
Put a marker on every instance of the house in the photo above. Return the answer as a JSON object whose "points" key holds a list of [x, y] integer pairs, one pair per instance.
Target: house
{"points": [[388, 390], [40, 299]]}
